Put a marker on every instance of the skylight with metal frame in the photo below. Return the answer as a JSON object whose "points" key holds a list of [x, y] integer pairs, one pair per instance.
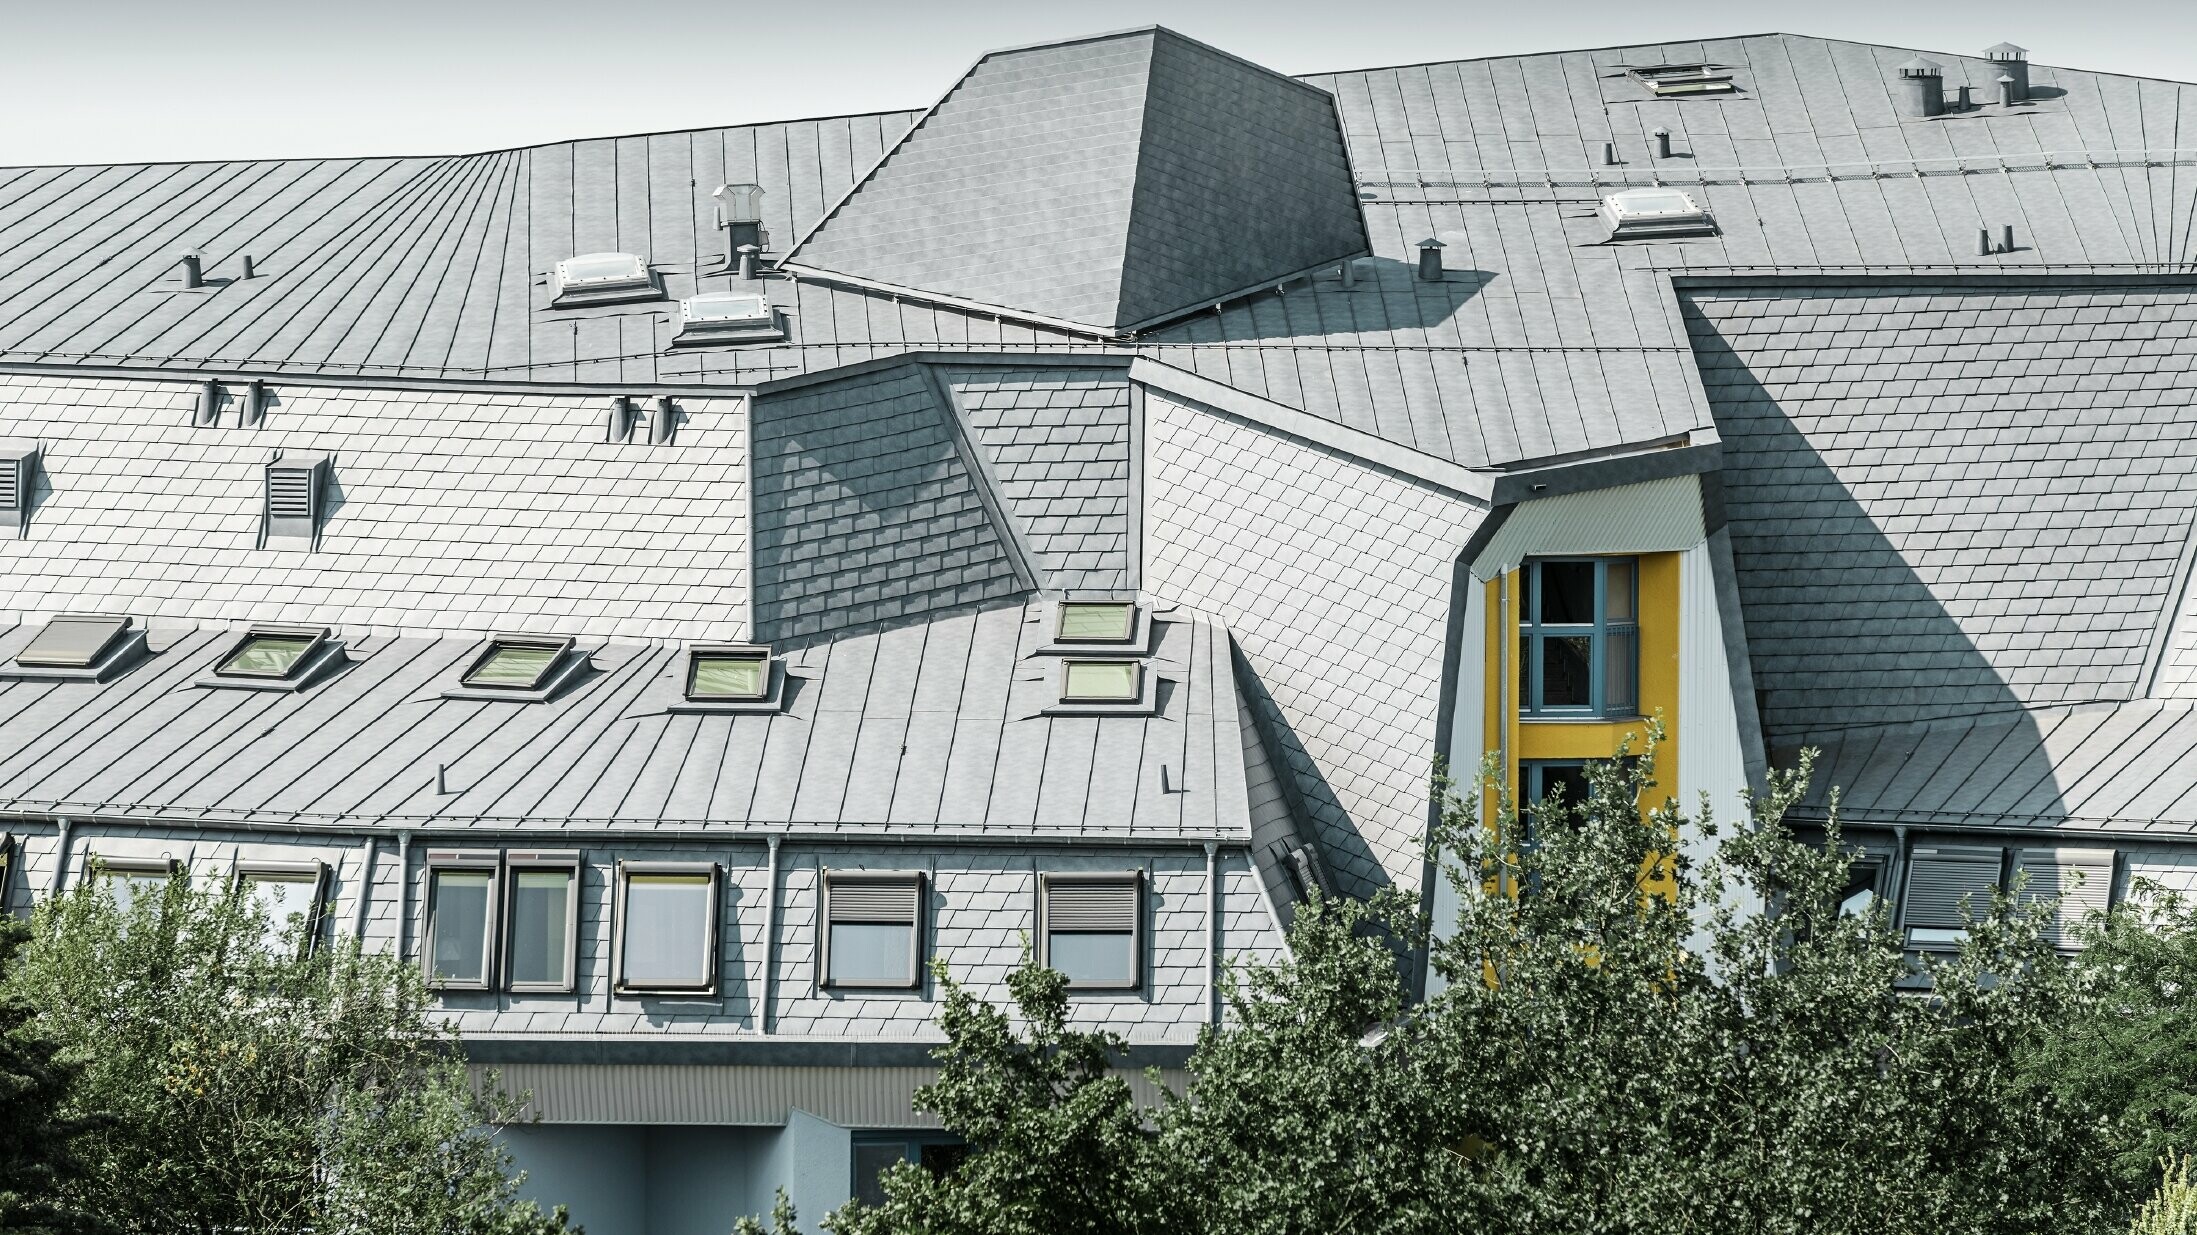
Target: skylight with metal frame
{"points": [[1660, 211], [604, 278], [1101, 681], [272, 653], [1096, 622], [516, 662], [729, 317], [1680, 80], [728, 673], [75, 641]]}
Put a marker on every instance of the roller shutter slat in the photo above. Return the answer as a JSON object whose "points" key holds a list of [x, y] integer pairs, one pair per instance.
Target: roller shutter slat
{"points": [[877, 900], [1109, 906]]}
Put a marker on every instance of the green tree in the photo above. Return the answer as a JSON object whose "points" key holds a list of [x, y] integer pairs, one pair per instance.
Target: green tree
{"points": [[2173, 1211], [41, 1159], [252, 1084]]}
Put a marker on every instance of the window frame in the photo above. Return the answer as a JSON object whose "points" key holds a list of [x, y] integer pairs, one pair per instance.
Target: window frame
{"points": [[1128, 635], [317, 638], [1068, 665], [1049, 880], [1533, 634], [568, 284], [469, 860], [712, 958], [102, 865], [514, 862], [757, 652], [827, 878], [313, 871], [1954, 853], [559, 645]]}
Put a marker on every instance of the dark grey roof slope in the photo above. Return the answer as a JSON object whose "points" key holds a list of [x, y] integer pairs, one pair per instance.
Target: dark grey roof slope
{"points": [[866, 509], [1542, 340], [1106, 182], [1058, 440], [932, 729], [2122, 767], [1951, 501]]}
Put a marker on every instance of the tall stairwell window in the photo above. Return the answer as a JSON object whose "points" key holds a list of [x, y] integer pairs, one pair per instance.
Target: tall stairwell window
{"points": [[1579, 638]]}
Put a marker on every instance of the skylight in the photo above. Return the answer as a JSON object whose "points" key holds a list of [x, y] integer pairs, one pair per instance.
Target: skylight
{"points": [[597, 270], [74, 641], [723, 309], [1678, 80], [728, 673], [271, 652], [1655, 212], [1101, 681], [1090, 622], [516, 662]]}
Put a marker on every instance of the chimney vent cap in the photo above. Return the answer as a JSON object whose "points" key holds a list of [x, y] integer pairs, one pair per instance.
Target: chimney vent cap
{"points": [[2006, 51], [1920, 67], [1432, 243]]}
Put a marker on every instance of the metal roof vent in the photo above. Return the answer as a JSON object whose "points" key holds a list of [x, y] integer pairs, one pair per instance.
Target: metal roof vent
{"points": [[18, 478], [1652, 213], [604, 278], [740, 212], [1921, 90], [2013, 62], [296, 497]]}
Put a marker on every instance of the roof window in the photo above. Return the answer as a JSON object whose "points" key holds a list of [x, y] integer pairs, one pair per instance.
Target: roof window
{"points": [[728, 673], [727, 317], [603, 278], [516, 662], [1096, 622], [75, 641], [1655, 212], [1680, 80], [276, 653], [1101, 681]]}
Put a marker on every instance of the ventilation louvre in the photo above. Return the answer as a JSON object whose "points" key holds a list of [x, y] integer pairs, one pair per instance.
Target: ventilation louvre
{"points": [[18, 461], [294, 491], [1093, 905]]}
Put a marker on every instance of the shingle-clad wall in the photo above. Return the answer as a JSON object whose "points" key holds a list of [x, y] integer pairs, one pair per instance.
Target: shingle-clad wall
{"points": [[1946, 502], [1058, 441], [1334, 576], [448, 511], [206, 853], [865, 511]]}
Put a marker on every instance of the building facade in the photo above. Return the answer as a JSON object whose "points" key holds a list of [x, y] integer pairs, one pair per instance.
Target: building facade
{"points": [[673, 587]]}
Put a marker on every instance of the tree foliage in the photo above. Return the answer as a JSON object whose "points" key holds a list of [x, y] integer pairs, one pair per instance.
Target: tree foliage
{"points": [[249, 1084], [1626, 1040], [41, 1141]]}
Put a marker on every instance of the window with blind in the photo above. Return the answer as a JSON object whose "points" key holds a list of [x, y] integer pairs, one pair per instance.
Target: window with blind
{"points": [[1941, 880], [291, 894], [2080, 881], [873, 929], [1090, 928], [460, 946], [667, 928]]}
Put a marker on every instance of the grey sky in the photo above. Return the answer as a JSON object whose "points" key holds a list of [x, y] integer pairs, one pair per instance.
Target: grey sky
{"points": [[133, 80]]}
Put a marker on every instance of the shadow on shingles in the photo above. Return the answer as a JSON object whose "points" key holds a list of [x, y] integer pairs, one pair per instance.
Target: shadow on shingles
{"points": [[1321, 818], [1842, 632]]}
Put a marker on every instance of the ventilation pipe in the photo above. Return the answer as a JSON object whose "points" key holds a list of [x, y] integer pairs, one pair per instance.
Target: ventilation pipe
{"points": [[208, 411], [1662, 143], [252, 404], [2014, 63], [1430, 259], [1349, 272], [748, 254], [1921, 92], [191, 274], [618, 421], [663, 421], [245, 266], [1609, 154], [2008, 90]]}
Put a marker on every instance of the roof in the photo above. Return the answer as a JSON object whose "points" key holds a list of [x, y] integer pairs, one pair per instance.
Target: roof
{"points": [[1952, 500], [1542, 339], [2113, 768], [933, 730], [1109, 182]]}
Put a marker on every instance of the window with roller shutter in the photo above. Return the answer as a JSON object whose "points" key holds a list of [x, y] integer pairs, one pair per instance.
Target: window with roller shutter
{"points": [[872, 929], [1938, 878], [1091, 928], [2081, 880]]}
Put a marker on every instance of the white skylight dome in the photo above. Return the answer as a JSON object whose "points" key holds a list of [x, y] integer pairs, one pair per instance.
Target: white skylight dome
{"points": [[604, 278], [727, 317], [1660, 211]]}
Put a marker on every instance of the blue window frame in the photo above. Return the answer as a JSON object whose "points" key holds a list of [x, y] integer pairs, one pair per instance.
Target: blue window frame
{"points": [[1579, 637], [1547, 778]]}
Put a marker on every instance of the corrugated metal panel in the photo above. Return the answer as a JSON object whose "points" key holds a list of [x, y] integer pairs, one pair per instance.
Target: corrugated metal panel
{"points": [[739, 1094], [1655, 516]]}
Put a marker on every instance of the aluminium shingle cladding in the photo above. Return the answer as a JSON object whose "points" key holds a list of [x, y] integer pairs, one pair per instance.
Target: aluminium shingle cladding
{"points": [[447, 511], [1059, 442], [866, 511], [1950, 501], [1104, 182]]}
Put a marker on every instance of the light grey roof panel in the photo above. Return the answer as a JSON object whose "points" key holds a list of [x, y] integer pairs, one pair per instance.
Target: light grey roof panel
{"points": [[1058, 441], [852, 754]]}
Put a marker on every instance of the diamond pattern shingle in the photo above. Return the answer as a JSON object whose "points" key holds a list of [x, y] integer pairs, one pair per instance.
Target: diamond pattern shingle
{"points": [[1058, 440]]}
